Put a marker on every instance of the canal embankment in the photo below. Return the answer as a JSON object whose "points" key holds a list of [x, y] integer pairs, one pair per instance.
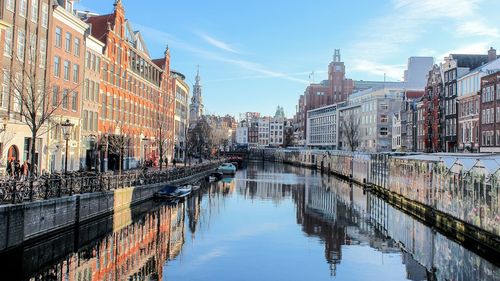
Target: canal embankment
{"points": [[29, 222], [456, 194]]}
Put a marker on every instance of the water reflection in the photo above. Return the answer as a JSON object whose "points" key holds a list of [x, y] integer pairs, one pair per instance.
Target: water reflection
{"points": [[236, 228]]}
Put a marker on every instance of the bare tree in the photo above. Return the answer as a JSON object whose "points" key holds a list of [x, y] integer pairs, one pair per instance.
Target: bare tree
{"points": [[161, 136], [33, 100], [200, 136], [288, 136], [117, 140], [349, 129]]}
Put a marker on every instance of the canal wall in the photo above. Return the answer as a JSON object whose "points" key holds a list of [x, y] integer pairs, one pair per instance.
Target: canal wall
{"points": [[455, 193], [33, 221]]}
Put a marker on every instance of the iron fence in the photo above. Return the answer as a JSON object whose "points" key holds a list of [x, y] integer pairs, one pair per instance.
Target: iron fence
{"points": [[58, 185]]}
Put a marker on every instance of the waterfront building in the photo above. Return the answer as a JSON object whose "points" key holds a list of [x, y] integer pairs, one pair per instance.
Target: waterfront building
{"points": [[23, 58], [263, 125], [90, 103], [242, 134], [253, 134], [67, 57], [489, 116], [322, 131], [469, 87], [433, 127], [181, 90], [135, 92], [416, 72], [396, 132], [276, 130], [376, 108], [454, 67], [333, 90]]}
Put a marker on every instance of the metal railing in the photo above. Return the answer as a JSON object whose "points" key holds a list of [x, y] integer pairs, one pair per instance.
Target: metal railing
{"points": [[57, 185]]}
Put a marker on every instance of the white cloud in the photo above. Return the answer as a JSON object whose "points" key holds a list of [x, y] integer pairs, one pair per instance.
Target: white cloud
{"points": [[217, 43], [250, 77], [164, 38], [472, 48], [476, 28], [391, 71]]}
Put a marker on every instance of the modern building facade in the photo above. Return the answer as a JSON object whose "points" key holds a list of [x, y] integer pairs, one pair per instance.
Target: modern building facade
{"points": [[322, 131]]}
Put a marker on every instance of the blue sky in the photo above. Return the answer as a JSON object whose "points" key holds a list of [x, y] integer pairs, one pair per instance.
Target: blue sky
{"points": [[255, 55]]}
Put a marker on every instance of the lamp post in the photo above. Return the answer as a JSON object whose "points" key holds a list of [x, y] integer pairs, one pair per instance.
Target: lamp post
{"points": [[93, 143], [66, 128]]}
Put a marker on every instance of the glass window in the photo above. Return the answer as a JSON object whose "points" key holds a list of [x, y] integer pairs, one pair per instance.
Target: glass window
{"points": [[57, 66], [55, 96], [58, 37], [8, 42], [45, 15], [68, 42], [21, 37], [85, 119], [66, 70], [74, 101], [65, 97], [43, 52], [76, 73], [9, 5], [22, 8], [34, 11], [77, 47], [5, 89]]}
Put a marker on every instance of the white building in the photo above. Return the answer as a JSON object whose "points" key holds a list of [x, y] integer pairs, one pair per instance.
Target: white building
{"points": [[242, 134], [396, 131], [415, 76], [276, 131], [376, 108], [181, 117], [264, 131], [322, 131]]}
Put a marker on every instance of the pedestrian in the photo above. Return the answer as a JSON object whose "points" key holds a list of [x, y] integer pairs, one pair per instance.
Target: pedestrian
{"points": [[35, 170], [17, 169], [174, 162], [8, 169]]}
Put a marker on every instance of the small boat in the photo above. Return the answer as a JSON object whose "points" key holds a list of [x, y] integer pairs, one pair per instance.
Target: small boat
{"points": [[215, 176], [166, 192], [227, 168], [182, 192]]}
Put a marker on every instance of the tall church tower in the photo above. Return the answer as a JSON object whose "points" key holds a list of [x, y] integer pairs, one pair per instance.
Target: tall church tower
{"points": [[196, 106]]}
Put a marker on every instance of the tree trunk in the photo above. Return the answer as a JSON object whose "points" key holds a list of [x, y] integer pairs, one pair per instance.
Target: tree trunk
{"points": [[32, 156], [161, 154], [120, 160]]}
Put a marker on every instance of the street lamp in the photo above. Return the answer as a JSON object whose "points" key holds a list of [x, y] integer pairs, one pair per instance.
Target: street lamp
{"points": [[66, 128], [93, 143]]}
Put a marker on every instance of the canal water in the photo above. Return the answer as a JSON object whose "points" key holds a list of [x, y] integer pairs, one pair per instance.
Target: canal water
{"points": [[269, 222]]}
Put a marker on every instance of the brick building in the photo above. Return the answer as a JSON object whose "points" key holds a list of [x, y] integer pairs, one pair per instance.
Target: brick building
{"points": [[134, 90], [334, 90], [489, 117], [430, 117], [65, 66]]}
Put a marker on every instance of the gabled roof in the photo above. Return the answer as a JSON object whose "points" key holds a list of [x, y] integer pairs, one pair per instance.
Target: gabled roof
{"points": [[469, 61], [159, 62], [99, 25]]}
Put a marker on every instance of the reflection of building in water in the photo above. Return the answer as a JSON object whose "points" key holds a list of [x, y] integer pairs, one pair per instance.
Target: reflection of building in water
{"points": [[134, 252]]}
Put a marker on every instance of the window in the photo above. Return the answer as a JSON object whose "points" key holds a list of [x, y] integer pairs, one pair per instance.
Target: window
{"points": [[77, 47], [58, 37], [5, 89], [32, 48], [22, 8], [45, 15], [383, 131], [76, 73], [85, 119], [8, 42], [43, 52], [68, 42], [96, 92], [55, 96], [57, 66], [65, 99], [9, 5], [383, 118], [91, 121], [86, 89], [34, 10], [74, 101], [21, 38], [66, 70]]}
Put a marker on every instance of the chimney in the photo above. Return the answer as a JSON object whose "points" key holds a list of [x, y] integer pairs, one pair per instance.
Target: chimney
{"points": [[492, 54]]}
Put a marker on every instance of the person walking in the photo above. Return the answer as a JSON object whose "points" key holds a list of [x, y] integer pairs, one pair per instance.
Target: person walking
{"points": [[174, 162], [8, 169]]}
